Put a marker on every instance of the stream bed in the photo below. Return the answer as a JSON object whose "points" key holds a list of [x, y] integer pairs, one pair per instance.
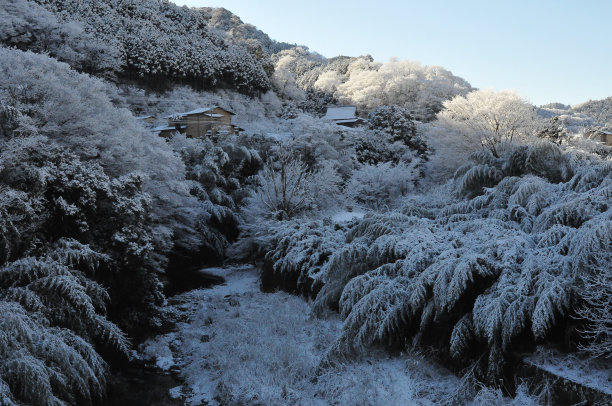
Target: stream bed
{"points": [[144, 384], [141, 386]]}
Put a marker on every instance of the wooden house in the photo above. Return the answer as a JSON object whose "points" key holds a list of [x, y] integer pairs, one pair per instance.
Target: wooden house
{"points": [[603, 136], [343, 115], [210, 121]]}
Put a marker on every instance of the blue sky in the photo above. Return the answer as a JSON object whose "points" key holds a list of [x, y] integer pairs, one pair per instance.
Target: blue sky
{"points": [[546, 50]]}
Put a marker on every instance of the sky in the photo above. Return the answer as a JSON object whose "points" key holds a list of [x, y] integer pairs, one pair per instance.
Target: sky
{"points": [[548, 51]]}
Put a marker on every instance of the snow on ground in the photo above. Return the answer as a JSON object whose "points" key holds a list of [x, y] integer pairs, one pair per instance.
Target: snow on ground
{"points": [[279, 136], [159, 351], [239, 346], [238, 280], [595, 374], [344, 216]]}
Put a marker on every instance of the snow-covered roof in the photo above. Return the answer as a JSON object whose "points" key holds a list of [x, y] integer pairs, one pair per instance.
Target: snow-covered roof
{"points": [[606, 132], [162, 128], [200, 111], [197, 111], [214, 115], [143, 117], [348, 120], [340, 112]]}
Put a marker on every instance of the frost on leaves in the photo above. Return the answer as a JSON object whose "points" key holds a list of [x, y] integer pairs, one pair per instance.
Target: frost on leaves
{"points": [[490, 274]]}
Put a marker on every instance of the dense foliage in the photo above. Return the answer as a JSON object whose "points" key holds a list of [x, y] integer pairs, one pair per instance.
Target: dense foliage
{"points": [[93, 207], [392, 137], [488, 117], [482, 276], [216, 175], [27, 25]]}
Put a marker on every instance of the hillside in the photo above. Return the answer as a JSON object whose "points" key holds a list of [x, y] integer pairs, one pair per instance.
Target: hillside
{"points": [[152, 41], [300, 74], [600, 110], [238, 31]]}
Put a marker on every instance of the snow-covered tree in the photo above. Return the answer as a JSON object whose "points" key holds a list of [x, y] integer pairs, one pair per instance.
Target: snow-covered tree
{"points": [[44, 365], [368, 84], [379, 187], [392, 137], [488, 118], [29, 26], [284, 83], [92, 206], [597, 296], [599, 110], [284, 190], [553, 131], [301, 248], [449, 150], [218, 174], [418, 88]]}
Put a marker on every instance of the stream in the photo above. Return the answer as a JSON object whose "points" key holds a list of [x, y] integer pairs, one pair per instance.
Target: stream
{"points": [[142, 384]]}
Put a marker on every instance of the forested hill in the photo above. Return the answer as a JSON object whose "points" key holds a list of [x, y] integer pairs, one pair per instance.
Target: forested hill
{"points": [[366, 83], [231, 24], [600, 110], [155, 41]]}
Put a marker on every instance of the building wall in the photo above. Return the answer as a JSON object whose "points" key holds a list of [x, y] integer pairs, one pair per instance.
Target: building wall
{"points": [[199, 125], [605, 138], [227, 117]]}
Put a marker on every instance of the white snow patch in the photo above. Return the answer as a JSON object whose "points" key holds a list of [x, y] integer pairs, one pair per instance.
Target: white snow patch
{"points": [[344, 216], [165, 362], [237, 280], [176, 392], [595, 374], [158, 350]]}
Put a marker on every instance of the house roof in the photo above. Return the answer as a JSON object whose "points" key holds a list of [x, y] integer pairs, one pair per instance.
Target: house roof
{"points": [[340, 112], [165, 128], [348, 120], [200, 111]]}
